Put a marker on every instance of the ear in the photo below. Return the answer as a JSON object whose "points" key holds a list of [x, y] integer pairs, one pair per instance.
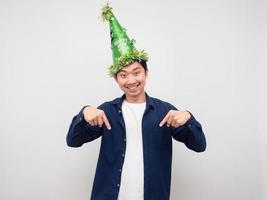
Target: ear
{"points": [[146, 73], [115, 78]]}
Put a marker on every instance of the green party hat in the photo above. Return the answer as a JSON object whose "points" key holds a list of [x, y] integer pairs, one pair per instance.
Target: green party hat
{"points": [[123, 50]]}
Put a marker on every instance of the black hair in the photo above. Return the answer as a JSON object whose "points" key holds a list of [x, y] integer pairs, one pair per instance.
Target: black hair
{"points": [[142, 63]]}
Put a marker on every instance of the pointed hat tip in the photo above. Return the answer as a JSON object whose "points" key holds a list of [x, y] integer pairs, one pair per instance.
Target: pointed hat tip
{"points": [[106, 12]]}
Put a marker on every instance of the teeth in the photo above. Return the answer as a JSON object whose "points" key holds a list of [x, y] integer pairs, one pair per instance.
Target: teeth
{"points": [[133, 87]]}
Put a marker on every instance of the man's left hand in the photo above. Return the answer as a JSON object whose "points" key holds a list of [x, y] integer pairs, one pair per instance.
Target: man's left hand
{"points": [[175, 118]]}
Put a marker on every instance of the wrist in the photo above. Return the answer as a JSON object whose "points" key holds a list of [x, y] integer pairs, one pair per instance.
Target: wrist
{"points": [[85, 107], [188, 115]]}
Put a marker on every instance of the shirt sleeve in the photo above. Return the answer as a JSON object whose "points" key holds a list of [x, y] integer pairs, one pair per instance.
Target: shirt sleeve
{"points": [[81, 132], [191, 135]]}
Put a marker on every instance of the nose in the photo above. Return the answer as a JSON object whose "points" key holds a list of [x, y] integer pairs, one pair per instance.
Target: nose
{"points": [[130, 79]]}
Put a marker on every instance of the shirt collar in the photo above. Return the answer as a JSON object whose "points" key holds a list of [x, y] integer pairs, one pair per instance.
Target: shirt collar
{"points": [[149, 101]]}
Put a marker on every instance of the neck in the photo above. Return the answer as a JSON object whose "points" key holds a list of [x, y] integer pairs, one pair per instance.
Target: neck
{"points": [[138, 99]]}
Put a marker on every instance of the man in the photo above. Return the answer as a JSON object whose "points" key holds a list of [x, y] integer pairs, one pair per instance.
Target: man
{"points": [[136, 130]]}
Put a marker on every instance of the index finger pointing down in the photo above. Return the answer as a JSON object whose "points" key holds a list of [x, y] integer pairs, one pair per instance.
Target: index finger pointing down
{"points": [[164, 120], [106, 122]]}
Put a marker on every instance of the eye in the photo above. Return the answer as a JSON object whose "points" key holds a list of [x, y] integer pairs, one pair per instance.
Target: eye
{"points": [[123, 75], [136, 72]]}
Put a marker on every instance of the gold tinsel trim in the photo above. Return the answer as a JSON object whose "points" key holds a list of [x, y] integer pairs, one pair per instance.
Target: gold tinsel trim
{"points": [[127, 59], [106, 12]]}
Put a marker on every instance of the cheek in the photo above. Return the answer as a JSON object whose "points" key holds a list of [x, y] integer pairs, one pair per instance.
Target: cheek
{"points": [[121, 83], [142, 80]]}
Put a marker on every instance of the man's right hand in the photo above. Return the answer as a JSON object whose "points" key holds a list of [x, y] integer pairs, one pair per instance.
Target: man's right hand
{"points": [[95, 117]]}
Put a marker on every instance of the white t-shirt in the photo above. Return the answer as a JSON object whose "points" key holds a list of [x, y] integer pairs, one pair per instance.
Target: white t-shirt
{"points": [[132, 177]]}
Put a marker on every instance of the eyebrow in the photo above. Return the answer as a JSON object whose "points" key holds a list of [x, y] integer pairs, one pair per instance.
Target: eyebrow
{"points": [[136, 68]]}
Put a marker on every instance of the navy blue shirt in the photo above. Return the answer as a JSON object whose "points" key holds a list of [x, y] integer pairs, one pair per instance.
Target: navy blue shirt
{"points": [[157, 147]]}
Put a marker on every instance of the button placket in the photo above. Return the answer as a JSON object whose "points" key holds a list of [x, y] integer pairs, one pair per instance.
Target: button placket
{"points": [[124, 142]]}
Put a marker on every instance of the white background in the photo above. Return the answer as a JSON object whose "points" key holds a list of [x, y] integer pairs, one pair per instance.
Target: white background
{"points": [[207, 56]]}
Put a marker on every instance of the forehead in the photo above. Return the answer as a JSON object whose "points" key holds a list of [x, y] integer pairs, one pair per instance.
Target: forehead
{"points": [[131, 67]]}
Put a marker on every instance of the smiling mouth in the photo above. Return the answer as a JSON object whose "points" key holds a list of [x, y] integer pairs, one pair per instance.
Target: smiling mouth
{"points": [[133, 87]]}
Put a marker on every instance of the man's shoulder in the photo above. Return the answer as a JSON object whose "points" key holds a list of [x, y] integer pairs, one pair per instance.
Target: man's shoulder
{"points": [[110, 102], [157, 100], [159, 103]]}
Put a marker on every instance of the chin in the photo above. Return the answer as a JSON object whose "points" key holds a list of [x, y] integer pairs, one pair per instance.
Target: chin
{"points": [[134, 93], [131, 94]]}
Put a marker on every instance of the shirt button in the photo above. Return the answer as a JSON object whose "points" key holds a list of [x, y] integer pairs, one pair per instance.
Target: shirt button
{"points": [[124, 139], [122, 155], [189, 125], [119, 170], [80, 119], [118, 185]]}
